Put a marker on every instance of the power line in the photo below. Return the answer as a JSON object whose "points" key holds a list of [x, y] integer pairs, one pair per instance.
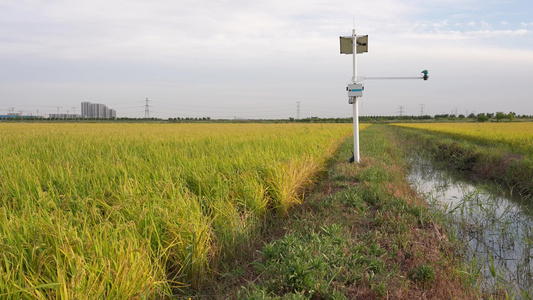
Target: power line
{"points": [[146, 110], [227, 107]]}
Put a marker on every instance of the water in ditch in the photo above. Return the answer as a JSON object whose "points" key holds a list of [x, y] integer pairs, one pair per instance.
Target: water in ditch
{"points": [[496, 227]]}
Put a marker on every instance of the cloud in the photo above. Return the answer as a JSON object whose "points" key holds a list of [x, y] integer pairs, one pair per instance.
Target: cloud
{"points": [[497, 33], [98, 28], [247, 51]]}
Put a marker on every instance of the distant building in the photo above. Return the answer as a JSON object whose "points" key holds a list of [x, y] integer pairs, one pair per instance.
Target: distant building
{"points": [[63, 116], [96, 111], [17, 116]]}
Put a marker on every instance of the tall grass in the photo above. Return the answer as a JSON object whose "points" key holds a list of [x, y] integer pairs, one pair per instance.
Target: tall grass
{"points": [[141, 210]]}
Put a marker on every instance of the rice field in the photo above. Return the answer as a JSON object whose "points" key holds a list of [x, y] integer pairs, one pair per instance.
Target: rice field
{"points": [[91, 211], [518, 135]]}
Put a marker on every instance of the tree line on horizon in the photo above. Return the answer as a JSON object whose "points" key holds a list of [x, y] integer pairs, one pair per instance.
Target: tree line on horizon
{"points": [[480, 117]]}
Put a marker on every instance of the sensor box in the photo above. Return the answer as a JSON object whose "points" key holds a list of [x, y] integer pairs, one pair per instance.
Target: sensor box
{"points": [[355, 90]]}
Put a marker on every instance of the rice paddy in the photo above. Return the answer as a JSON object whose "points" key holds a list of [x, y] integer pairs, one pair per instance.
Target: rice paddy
{"points": [[93, 211]]}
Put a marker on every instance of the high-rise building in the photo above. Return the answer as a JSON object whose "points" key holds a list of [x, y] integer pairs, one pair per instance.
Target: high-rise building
{"points": [[85, 106], [96, 111]]}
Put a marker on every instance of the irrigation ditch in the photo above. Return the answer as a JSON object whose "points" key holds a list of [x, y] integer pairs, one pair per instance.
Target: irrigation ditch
{"points": [[491, 215]]}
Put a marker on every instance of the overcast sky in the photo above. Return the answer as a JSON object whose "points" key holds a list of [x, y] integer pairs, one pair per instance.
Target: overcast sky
{"points": [[257, 59]]}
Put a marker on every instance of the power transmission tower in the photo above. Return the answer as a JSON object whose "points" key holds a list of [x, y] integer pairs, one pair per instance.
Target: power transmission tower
{"points": [[422, 110], [297, 110], [401, 111], [146, 110]]}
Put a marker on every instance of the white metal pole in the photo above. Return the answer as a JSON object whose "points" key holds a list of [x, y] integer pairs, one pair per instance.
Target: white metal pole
{"points": [[355, 104], [354, 44], [356, 131]]}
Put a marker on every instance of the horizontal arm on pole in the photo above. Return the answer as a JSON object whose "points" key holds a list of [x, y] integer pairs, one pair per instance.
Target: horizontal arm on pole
{"points": [[372, 78]]}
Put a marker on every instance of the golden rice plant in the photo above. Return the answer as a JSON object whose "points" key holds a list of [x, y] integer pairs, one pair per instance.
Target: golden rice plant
{"points": [[92, 211]]}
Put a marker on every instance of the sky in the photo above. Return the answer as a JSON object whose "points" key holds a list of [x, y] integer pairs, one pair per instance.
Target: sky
{"points": [[250, 59]]}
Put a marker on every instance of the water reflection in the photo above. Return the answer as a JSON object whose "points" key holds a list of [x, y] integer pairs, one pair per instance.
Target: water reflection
{"points": [[495, 226]]}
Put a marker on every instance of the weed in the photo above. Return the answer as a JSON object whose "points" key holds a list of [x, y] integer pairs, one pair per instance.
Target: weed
{"points": [[424, 274]]}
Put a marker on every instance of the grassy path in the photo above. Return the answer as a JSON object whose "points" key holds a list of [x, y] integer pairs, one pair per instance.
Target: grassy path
{"points": [[362, 233]]}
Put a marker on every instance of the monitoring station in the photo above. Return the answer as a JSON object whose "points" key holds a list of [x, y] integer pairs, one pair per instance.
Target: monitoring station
{"points": [[354, 45]]}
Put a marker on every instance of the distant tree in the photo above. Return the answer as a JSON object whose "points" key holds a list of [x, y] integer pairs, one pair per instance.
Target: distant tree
{"points": [[461, 116], [500, 116], [472, 116], [490, 115], [511, 116], [482, 117]]}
